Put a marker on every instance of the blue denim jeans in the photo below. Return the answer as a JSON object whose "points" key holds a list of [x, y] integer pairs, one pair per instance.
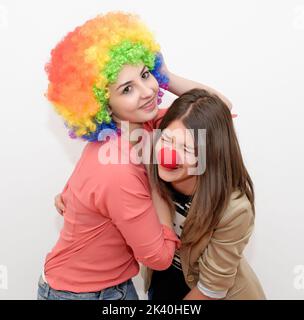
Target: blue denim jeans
{"points": [[150, 294], [122, 291]]}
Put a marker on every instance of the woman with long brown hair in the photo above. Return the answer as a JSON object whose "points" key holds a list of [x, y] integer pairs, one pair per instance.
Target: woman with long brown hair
{"points": [[213, 207]]}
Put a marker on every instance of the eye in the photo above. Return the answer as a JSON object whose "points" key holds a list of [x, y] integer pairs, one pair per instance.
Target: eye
{"points": [[188, 151], [126, 90], [165, 139], [146, 74]]}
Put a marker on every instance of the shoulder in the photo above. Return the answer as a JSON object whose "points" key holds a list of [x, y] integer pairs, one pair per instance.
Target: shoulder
{"points": [[238, 212], [123, 174], [107, 163]]}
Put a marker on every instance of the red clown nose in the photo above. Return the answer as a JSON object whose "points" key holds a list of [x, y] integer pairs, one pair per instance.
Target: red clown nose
{"points": [[168, 158]]}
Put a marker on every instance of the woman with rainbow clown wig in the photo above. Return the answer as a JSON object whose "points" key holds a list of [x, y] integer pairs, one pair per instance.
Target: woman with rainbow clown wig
{"points": [[104, 72]]}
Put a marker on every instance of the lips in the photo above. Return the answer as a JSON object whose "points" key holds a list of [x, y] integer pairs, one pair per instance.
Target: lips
{"points": [[148, 104]]}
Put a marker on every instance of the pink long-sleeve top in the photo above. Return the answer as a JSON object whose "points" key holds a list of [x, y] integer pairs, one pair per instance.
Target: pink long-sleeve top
{"points": [[110, 225]]}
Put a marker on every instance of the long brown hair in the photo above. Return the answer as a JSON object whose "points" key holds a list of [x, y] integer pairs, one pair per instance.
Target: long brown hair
{"points": [[225, 170]]}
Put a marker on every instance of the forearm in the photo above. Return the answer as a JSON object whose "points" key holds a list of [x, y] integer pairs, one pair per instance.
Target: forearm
{"points": [[179, 85], [162, 209]]}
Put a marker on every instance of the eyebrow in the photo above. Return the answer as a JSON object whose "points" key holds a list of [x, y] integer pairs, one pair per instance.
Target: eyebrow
{"points": [[170, 138], [128, 82]]}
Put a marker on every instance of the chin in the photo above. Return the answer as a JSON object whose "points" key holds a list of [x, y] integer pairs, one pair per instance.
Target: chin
{"points": [[149, 115], [170, 176]]}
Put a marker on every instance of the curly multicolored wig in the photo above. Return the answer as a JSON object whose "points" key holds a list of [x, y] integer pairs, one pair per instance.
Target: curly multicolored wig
{"points": [[90, 58]]}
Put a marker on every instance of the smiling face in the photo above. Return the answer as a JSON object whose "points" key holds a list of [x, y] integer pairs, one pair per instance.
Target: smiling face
{"points": [[133, 97], [178, 138]]}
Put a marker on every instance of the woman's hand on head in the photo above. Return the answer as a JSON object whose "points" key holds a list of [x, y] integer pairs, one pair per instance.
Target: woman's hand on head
{"points": [[59, 204]]}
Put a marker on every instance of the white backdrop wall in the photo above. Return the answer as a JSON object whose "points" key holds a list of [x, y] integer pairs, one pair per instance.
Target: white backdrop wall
{"points": [[252, 51]]}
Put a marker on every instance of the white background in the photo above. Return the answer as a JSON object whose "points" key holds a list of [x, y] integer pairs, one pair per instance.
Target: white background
{"points": [[252, 51]]}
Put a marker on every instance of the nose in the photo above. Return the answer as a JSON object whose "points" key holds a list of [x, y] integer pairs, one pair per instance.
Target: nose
{"points": [[168, 158], [146, 91]]}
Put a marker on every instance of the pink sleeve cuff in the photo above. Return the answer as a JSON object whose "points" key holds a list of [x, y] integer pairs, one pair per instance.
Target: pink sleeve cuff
{"points": [[169, 234]]}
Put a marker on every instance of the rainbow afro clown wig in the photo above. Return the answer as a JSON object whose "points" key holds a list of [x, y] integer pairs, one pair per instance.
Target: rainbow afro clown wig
{"points": [[88, 60]]}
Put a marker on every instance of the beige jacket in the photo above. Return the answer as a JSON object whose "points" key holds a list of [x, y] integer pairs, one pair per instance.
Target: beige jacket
{"points": [[217, 260]]}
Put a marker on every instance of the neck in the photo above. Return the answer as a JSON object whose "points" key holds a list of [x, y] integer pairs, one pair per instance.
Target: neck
{"points": [[127, 128], [186, 186]]}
